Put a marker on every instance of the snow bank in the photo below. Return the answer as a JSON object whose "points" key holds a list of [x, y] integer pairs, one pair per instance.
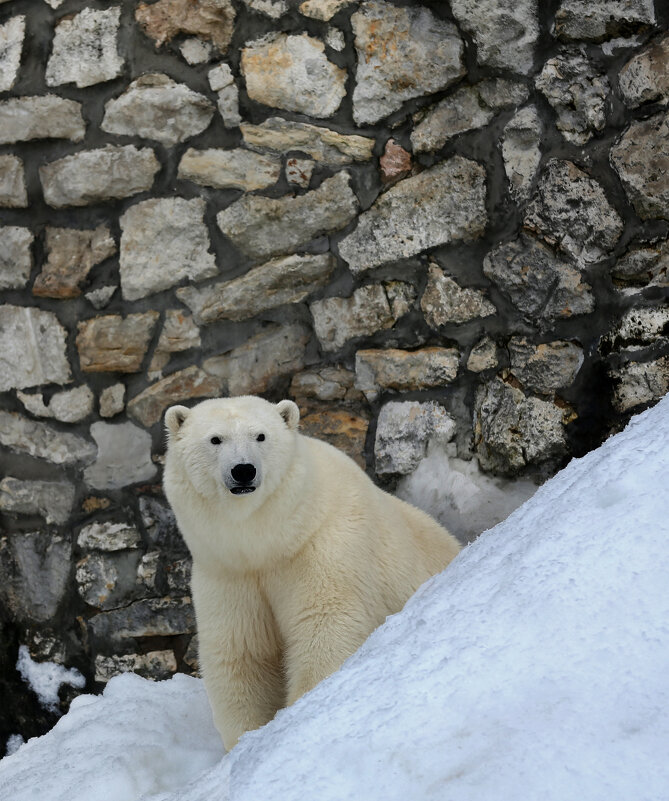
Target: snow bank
{"points": [[535, 666]]}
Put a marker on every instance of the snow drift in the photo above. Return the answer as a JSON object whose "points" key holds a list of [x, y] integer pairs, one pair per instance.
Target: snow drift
{"points": [[535, 666]]}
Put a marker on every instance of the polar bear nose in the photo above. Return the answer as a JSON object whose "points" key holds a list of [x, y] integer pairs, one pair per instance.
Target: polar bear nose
{"points": [[243, 473]]}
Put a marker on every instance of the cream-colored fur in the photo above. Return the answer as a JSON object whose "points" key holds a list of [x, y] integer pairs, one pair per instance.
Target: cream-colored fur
{"points": [[289, 580]]}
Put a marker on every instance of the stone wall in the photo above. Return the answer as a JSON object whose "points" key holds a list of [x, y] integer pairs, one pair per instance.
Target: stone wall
{"points": [[439, 228]]}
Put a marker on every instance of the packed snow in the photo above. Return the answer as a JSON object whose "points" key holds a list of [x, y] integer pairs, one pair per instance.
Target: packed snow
{"points": [[535, 666], [46, 678]]}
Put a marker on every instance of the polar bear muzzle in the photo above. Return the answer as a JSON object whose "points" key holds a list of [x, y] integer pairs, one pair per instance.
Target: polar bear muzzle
{"points": [[243, 474]]}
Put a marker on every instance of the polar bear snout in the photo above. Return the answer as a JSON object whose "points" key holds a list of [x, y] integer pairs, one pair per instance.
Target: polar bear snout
{"points": [[244, 477]]}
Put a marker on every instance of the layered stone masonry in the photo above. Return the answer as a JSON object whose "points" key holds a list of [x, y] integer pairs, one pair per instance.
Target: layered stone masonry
{"points": [[438, 225]]}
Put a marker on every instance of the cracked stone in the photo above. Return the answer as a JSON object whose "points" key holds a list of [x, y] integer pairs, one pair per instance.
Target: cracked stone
{"points": [[641, 159], [285, 280], [112, 400], [483, 356], [368, 310], [11, 44], [156, 107], [342, 428], [179, 333], [402, 53], [444, 302], [95, 176], [547, 367], [292, 72], [84, 50], [570, 210], [257, 365], [643, 266], [123, 458], [542, 286], [112, 343], [32, 348], [150, 617], [403, 370], [262, 227], [30, 437], [68, 406], [403, 431], [452, 208], [13, 193], [324, 384], [638, 329], [148, 407], [71, 254], [43, 117], [512, 431], [106, 581], [163, 241], [505, 31], [637, 384], [16, 259], [153, 665], [108, 536], [229, 169], [222, 81], [645, 77], [603, 19], [577, 91], [212, 20], [52, 500], [521, 150], [466, 109], [333, 149]]}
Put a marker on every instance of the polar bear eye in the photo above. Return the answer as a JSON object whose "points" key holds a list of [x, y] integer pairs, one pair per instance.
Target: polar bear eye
{"points": [[215, 440], [260, 438]]}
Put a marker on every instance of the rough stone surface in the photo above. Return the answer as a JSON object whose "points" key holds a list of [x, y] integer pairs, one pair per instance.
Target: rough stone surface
{"points": [[93, 176], [112, 343], [85, 50], [334, 38], [299, 171], [542, 286], [212, 20], [641, 159], [323, 10], [195, 51], [160, 525], [341, 428], [68, 406], [368, 310], [403, 370], [547, 367], [596, 21], [44, 117], [643, 266], [521, 150], [637, 329], [36, 568], [444, 302], [483, 356], [179, 333], [645, 77], [465, 110], [403, 431], [255, 366], [123, 458], [326, 384], [13, 193], [571, 210], [164, 240], [285, 280], [71, 254], [156, 107], [229, 169], [32, 348], [108, 536], [262, 227], [154, 665], [513, 431], [53, 500], [577, 91], [277, 135], [112, 400], [99, 298], [151, 617], [292, 72], [30, 437], [106, 581], [402, 53], [222, 81], [395, 163], [148, 407], [16, 259], [452, 208], [11, 45], [505, 31], [270, 8], [637, 384]]}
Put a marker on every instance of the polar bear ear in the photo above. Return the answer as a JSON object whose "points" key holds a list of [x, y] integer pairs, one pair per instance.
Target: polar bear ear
{"points": [[290, 413], [174, 418]]}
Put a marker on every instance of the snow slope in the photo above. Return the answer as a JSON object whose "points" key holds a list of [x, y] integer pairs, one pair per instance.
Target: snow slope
{"points": [[535, 667]]}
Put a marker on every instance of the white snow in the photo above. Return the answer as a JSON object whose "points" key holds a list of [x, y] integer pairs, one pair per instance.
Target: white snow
{"points": [[535, 667], [46, 678]]}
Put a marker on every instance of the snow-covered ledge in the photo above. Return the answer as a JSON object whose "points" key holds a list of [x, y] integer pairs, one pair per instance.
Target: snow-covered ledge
{"points": [[534, 667]]}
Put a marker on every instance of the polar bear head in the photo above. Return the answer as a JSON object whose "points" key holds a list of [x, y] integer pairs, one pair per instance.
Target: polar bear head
{"points": [[233, 448]]}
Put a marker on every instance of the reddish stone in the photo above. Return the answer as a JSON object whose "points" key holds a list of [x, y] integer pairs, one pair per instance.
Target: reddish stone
{"points": [[395, 162]]}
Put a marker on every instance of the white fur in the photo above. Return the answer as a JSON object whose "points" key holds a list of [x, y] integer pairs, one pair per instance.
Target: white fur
{"points": [[288, 581]]}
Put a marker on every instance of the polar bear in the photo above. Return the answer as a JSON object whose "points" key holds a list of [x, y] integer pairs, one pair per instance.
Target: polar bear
{"points": [[297, 555]]}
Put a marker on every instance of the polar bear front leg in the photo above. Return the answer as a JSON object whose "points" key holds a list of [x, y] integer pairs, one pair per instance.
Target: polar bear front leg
{"points": [[239, 653]]}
